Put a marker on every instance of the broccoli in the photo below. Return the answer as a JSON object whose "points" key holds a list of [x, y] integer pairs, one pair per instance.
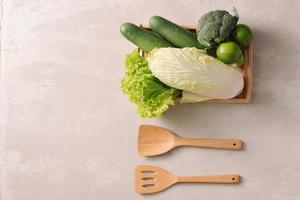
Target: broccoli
{"points": [[215, 26]]}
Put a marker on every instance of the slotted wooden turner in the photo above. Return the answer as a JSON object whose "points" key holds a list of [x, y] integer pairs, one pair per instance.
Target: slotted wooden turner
{"points": [[151, 179], [155, 140]]}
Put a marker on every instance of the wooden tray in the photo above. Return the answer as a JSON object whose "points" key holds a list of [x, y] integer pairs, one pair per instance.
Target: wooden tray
{"points": [[247, 70]]}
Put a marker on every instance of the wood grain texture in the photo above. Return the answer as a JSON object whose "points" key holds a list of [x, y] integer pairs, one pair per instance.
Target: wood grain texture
{"points": [[232, 178], [247, 71], [155, 140], [232, 144], [151, 179]]}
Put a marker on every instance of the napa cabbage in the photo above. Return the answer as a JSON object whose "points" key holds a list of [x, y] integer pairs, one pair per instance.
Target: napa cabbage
{"points": [[193, 71]]}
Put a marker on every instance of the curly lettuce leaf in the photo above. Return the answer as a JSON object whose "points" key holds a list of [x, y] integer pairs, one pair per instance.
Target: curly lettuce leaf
{"points": [[151, 96], [191, 70]]}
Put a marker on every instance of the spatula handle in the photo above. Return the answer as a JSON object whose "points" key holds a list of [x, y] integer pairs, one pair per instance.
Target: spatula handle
{"points": [[233, 178], [211, 143]]}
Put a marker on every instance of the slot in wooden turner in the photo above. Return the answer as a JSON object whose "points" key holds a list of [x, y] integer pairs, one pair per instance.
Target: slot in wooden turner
{"points": [[155, 140], [151, 179]]}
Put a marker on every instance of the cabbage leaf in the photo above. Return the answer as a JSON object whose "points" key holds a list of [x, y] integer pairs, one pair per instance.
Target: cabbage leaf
{"points": [[191, 70], [189, 97]]}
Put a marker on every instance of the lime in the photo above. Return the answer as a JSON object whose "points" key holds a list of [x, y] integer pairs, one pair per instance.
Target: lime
{"points": [[242, 34], [229, 52]]}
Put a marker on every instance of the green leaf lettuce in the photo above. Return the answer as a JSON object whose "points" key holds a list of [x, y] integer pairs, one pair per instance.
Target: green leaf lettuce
{"points": [[151, 96]]}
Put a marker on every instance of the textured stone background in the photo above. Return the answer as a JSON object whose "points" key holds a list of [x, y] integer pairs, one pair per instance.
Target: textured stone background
{"points": [[68, 132]]}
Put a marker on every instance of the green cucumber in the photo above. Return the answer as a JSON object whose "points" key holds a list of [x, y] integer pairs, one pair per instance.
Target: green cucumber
{"points": [[175, 34], [144, 39]]}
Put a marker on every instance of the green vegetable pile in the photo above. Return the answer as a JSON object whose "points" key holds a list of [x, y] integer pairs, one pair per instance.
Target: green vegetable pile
{"points": [[151, 96], [193, 66]]}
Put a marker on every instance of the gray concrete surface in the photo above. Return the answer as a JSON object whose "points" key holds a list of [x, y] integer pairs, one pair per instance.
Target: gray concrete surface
{"points": [[68, 132]]}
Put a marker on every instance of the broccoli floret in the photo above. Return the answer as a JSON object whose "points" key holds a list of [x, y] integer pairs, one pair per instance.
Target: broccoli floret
{"points": [[215, 26]]}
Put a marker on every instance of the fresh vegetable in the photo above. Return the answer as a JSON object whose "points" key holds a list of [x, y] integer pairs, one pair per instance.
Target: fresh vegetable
{"points": [[189, 97], [146, 40], [242, 34], [229, 53], [151, 96], [191, 70], [215, 26], [175, 34]]}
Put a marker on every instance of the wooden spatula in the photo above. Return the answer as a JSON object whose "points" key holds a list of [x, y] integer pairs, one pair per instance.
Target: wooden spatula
{"points": [[155, 140], [151, 179]]}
